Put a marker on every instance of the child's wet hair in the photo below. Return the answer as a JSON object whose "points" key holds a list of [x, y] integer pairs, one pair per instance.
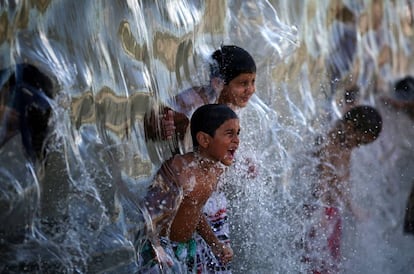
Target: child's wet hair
{"points": [[208, 118], [404, 88], [230, 61], [365, 119]]}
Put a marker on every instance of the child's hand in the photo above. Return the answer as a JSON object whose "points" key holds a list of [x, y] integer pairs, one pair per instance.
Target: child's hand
{"points": [[227, 255], [167, 123], [162, 257], [223, 252]]}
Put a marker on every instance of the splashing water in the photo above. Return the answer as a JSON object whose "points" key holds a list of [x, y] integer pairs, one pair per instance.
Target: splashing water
{"points": [[73, 207]]}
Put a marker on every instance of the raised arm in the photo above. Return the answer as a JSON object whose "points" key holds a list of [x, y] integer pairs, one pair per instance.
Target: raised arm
{"points": [[164, 123]]}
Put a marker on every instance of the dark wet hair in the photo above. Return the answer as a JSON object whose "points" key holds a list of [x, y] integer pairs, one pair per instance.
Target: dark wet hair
{"points": [[404, 88], [365, 119], [208, 118], [230, 61], [29, 93]]}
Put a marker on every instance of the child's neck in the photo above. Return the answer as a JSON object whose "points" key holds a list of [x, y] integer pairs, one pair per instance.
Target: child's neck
{"points": [[222, 99], [230, 105], [206, 162]]}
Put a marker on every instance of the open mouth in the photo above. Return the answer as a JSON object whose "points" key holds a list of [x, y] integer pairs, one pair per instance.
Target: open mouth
{"points": [[230, 153], [245, 99]]}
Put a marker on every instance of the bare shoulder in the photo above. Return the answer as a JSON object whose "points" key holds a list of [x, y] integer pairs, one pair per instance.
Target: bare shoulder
{"points": [[182, 165], [182, 160], [189, 174]]}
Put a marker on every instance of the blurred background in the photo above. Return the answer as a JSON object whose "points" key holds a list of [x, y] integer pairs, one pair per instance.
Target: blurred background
{"points": [[77, 78]]}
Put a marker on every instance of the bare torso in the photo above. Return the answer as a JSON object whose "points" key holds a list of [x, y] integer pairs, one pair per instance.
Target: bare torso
{"points": [[197, 179]]}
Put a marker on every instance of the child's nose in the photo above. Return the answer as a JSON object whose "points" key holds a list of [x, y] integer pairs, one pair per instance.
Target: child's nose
{"points": [[251, 88]]}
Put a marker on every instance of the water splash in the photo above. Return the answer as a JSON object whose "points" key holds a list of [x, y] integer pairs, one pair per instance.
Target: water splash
{"points": [[109, 61]]}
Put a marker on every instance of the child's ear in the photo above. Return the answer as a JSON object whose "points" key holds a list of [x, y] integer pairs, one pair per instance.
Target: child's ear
{"points": [[203, 139]]}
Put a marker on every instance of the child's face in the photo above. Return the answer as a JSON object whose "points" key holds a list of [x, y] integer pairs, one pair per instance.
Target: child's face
{"points": [[225, 142], [356, 138], [239, 90], [366, 138]]}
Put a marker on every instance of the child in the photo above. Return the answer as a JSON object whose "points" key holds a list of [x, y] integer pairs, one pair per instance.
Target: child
{"points": [[232, 82], [25, 108], [184, 183], [24, 115], [359, 126], [403, 97], [402, 100]]}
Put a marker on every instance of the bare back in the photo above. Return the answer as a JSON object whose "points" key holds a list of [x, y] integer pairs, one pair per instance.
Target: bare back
{"points": [[334, 170]]}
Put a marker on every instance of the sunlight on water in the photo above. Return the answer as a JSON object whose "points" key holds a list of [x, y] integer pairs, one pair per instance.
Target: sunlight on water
{"points": [[71, 203]]}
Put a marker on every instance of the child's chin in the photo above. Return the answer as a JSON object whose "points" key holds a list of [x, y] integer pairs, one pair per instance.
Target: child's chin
{"points": [[227, 162]]}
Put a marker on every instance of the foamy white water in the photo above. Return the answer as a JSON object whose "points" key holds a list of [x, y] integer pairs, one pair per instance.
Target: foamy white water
{"points": [[109, 60]]}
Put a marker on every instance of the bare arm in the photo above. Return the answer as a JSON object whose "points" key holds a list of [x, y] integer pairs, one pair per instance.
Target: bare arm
{"points": [[221, 250], [165, 124]]}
